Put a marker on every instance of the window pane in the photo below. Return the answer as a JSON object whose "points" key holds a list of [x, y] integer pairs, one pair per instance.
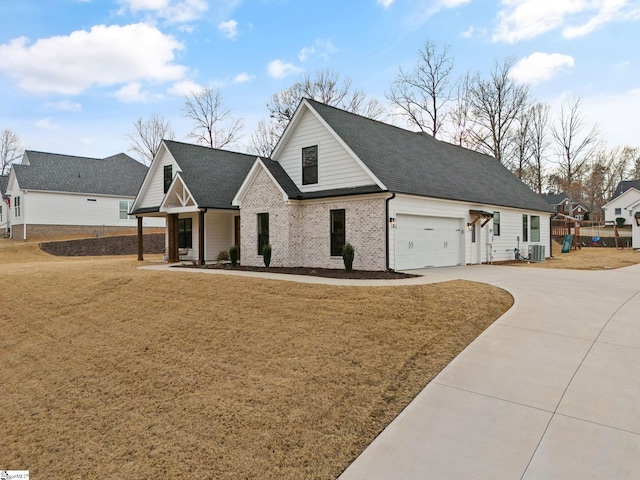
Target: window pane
{"points": [[535, 228], [525, 228], [337, 232], [263, 231], [168, 176], [310, 165], [496, 224], [185, 237]]}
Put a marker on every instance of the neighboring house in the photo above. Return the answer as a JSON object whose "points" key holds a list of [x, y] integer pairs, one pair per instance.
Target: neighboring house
{"points": [[5, 206], [55, 195], [635, 228], [563, 206], [626, 194], [403, 199]]}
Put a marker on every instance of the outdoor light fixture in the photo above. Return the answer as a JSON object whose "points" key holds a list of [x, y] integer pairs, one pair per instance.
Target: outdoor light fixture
{"points": [[469, 226], [392, 222]]}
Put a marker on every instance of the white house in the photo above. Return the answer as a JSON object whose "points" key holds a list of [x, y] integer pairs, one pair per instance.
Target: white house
{"points": [[626, 194], [5, 218], [403, 199], [54, 195]]}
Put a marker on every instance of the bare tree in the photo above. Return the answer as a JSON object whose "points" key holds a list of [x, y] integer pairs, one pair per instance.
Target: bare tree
{"points": [[520, 158], [213, 124], [421, 94], [461, 116], [604, 171], [539, 142], [324, 86], [572, 143], [634, 162], [10, 149], [264, 139], [496, 103], [148, 136]]}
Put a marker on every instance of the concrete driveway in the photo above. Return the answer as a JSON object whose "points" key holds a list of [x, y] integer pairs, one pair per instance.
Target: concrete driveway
{"points": [[551, 390]]}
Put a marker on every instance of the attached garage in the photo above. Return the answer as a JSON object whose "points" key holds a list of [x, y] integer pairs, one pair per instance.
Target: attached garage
{"points": [[426, 242]]}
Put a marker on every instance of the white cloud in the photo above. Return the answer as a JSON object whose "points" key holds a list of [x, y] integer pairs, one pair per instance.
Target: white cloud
{"points": [[322, 48], [526, 19], [185, 87], [242, 78], [468, 33], [280, 69], [103, 56], [229, 28], [176, 11], [64, 105], [540, 66], [47, 124], [385, 3], [305, 53], [132, 93]]}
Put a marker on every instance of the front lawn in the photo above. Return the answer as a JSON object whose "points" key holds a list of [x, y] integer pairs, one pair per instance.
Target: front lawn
{"points": [[109, 371]]}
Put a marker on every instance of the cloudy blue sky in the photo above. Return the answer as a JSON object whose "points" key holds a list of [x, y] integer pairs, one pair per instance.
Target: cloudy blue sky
{"points": [[76, 74]]}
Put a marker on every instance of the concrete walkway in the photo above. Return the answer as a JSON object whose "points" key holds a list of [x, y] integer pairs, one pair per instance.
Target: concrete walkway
{"points": [[551, 390]]}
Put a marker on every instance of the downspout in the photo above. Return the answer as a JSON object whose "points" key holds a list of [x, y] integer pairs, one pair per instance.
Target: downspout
{"points": [[201, 236], [23, 212], [386, 223]]}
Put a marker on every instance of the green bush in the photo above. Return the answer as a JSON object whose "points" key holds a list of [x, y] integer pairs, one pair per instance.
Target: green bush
{"points": [[266, 255], [222, 256], [620, 222], [348, 252], [233, 255]]}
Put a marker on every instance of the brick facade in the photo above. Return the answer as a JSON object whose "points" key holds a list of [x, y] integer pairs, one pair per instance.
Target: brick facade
{"points": [[299, 232]]}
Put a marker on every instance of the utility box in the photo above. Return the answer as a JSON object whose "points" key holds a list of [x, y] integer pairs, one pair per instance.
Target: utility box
{"points": [[536, 253]]}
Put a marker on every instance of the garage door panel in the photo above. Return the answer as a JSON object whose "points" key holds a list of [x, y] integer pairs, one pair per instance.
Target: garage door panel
{"points": [[423, 242]]}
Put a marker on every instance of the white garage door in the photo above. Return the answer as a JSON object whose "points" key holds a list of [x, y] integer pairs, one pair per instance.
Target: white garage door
{"points": [[423, 242]]}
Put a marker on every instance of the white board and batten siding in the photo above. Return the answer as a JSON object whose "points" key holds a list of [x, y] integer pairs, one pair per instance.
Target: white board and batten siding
{"points": [[220, 231], [433, 233], [46, 208], [336, 167], [219, 227], [153, 192]]}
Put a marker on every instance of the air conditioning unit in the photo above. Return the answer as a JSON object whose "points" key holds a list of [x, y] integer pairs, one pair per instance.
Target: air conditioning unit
{"points": [[536, 253]]}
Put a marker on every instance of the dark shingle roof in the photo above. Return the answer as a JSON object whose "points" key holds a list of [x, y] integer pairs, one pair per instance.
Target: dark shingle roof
{"points": [[118, 175], [213, 176], [555, 199], [418, 164], [625, 185]]}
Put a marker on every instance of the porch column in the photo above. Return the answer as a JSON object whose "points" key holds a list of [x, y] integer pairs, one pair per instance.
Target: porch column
{"points": [[172, 233], [201, 237], [140, 240]]}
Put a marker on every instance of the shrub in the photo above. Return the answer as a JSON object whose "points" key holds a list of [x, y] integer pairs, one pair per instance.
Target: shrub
{"points": [[266, 255], [222, 256], [233, 255], [620, 222], [348, 252]]}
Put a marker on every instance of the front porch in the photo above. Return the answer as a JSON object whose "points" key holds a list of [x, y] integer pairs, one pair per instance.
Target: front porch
{"points": [[197, 236]]}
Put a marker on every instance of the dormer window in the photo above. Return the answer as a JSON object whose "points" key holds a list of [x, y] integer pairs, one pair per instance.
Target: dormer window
{"points": [[168, 176], [310, 165]]}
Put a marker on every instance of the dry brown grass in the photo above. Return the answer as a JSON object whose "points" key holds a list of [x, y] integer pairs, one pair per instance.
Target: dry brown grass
{"points": [[113, 372], [589, 258]]}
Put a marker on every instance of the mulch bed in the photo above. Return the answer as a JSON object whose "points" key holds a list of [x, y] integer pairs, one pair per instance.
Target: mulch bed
{"points": [[314, 272]]}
